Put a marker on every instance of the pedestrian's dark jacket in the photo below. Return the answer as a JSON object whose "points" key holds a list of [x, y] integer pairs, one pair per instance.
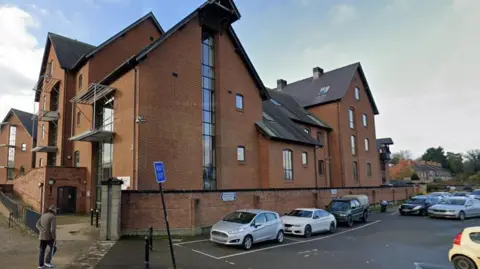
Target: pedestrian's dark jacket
{"points": [[47, 226]]}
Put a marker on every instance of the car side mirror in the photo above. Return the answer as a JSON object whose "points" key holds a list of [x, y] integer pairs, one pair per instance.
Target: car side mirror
{"points": [[315, 217]]}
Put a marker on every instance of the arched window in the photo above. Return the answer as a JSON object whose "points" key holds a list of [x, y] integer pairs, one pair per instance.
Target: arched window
{"points": [[287, 164], [76, 158], [22, 170], [351, 117]]}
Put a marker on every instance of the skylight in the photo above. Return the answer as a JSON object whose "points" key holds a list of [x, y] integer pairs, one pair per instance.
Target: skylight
{"points": [[323, 90], [275, 102], [267, 117]]}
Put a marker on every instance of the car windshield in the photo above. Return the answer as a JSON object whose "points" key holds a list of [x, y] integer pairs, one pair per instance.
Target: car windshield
{"points": [[300, 213], [240, 217], [453, 202], [460, 194], [417, 201], [339, 205], [437, 194], [476, 192]]}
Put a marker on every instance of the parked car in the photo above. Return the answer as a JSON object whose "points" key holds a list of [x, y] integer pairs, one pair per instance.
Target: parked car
{"points": [[460, 194], [349, 208], [466, 248], [441, 194], [418, 205], [247, 227], [475, 194], [468, 188], [307, 221], [456, 207]]}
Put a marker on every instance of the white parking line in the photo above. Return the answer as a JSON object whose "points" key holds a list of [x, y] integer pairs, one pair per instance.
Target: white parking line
{"points": [[294, 243], [206, 254], [190, 242], [396, 212]]}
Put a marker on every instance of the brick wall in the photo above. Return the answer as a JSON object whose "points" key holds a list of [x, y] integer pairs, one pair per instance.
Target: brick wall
{"points": [[187, 211], [27, 189]]}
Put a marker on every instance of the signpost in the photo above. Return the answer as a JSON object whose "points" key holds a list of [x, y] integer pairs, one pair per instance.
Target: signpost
{"points": [[160, 177]]}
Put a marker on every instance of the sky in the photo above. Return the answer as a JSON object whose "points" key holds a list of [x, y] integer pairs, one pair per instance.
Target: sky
{"points": [[420, 57]]}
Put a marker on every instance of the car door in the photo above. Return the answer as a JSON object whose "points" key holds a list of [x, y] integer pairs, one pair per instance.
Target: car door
{"points": [[316, 221], [272, 223], [260, 228], [470, 210], [476, 207], [323, 221], [356, 209]]}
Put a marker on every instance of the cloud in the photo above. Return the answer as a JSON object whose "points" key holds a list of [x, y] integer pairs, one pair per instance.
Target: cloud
{"points": [[39, 10], [342, 13], [20, 59]]}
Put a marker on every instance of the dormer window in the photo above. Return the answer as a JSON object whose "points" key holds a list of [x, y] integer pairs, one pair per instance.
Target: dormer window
{"points": [[323, 90]]}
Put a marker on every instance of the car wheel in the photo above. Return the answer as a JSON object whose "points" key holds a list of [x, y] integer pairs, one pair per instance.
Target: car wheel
{"points": [[461, 216], [247, 242], [462, 262], [333, 227], [349, 221], [423, 212], [365, 216], [402, 213], [280, 237], [308, 231]]}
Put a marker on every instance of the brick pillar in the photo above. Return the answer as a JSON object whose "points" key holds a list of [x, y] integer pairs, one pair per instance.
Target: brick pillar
{"points": [[110, 228]]}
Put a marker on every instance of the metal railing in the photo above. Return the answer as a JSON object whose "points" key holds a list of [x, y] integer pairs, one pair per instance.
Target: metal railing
{"points": [[10, 205], [30, 219]]}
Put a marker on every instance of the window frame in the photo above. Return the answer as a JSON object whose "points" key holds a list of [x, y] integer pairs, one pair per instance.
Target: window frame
{"points": [[259, 216], [365, 120], [369, 169], [306, 130], [10, 174], [76, 155], [80, 81], [43, 131], [237, 96], [79, 114], [24, 147], [366, 142], [287, 162], [355, 171], [357, 93], [40, 162], [241, 148], [320, 137], [321, 167], [351, 117], [473, 236], [22, 170], [12, 135], [272, 215], [353, 145], [304, 158]]}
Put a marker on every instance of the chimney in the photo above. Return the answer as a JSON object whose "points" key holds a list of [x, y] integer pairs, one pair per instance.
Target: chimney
{"points": [[281, 83], [317, 72]]}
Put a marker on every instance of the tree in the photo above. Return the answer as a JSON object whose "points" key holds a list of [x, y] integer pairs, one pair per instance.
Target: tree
{"points": [[436, 155], [414, 177], [472, 165], [401, 155], [455, 162]]}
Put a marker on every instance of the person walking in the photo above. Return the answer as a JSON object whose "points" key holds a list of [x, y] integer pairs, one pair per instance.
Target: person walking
{"points": [[47, 226]]}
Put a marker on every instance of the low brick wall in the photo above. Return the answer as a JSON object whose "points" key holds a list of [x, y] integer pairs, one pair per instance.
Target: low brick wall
{"points": [[26, 187], [191, 212]]}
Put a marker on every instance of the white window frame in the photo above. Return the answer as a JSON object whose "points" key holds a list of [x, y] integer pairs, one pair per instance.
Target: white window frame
{"points": [[12, 135], [365, 120], [238, 97], [304, 158], [288, 164], [43, 131], [353, 142], [24, 147], [351, 117], [357, 93], [241, 153], [367, 144]]}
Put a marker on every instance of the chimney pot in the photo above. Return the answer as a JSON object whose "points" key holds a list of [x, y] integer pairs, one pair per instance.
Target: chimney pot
{"points": [[281, 83], [317, 72]]}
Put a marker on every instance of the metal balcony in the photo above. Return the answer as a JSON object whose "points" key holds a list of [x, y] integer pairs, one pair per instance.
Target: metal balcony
{"points": [[45, 84], [45, 148], [92, 94], [94, 135], [45, 115], [384, 156]]}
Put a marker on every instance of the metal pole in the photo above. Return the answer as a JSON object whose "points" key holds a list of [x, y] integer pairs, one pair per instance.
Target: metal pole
{"points": [[168, 227], [150, 237], [147, 254], [91, 216], [72, 120], [10, 220], [94, 105], [96, 221]]}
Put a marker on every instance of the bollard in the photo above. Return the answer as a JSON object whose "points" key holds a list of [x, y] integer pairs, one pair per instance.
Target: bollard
{"points": [[91, 216], [10, 220], [147, 253], [150, 237], [96, 221]]}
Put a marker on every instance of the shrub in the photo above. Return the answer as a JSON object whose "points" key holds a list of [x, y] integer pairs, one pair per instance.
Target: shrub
{"points": [[415, 177]]}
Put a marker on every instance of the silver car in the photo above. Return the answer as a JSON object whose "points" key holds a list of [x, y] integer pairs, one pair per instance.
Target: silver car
{"points": [[456, 207], [246, 227], [475, 194]]}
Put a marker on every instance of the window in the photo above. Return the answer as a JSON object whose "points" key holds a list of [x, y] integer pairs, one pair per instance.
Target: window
{"points": [[50, 68], [475, 237], [355, 172], [24, 147], [271, 217], [321, 213], [43, 131], [351, 118], [241, 153], [9, 174], [306, 130], [22, 170], [357, 93], [11, 157], [369, 170], [275, 102], [79, 115], [320, 137], [40, 162], [304, 158], [13, 135], [260, 219], [44, 103], [76, 158], [239, 102], [367, 144], [321, 167], [364, 119], [287, 164], [323, 90], [353, 144], [80, 81]]}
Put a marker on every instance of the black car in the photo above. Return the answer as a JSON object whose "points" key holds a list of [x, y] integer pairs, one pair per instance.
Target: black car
{"points": [[418, 205], [348, 210], [460, 194]]}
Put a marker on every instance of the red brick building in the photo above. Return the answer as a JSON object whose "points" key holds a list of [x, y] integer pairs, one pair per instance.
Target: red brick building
{"points": [[189, 97]]}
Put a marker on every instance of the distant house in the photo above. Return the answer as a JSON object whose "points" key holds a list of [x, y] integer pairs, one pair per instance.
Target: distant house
{"points": [[383, 148], [426, 171]]}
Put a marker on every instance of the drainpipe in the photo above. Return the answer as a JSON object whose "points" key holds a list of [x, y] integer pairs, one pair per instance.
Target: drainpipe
{"points": [[340, 144], [329, 179], [65, 79], [315, 165], [134, 178]]}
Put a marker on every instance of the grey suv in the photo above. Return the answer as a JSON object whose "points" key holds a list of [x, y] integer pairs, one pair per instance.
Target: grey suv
{"points": [[347, 210]]}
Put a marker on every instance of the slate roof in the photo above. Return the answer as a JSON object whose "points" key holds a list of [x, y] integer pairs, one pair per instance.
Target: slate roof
{"points": [[306, 90], [26, 120], [277, 124], [133, 61], [295, 111], [68, 50], [425, 167], [383, 141]]}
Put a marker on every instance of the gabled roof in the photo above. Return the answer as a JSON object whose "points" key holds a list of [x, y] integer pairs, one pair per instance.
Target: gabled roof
{"points": [[306, 91], [27, 119], [383, 141], [133, 61], [295, 111], [91, 53], [276, 124], [68, 50]]}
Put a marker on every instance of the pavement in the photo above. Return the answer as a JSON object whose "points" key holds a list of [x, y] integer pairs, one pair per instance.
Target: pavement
{"points": [[387, 241]]}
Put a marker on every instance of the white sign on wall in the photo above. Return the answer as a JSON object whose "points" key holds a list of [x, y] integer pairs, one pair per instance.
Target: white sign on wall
{"points": [[228, 196], [333, 191], [126, 182]]}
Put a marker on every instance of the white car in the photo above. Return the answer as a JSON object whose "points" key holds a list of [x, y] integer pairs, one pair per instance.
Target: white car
{"points": [[306, 221], [465, 253]]}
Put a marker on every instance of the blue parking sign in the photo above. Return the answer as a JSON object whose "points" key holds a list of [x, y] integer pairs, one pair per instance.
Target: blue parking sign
{"points": [[159, 172]]}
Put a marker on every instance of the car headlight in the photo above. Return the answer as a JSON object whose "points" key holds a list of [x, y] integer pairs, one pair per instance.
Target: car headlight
{"points": [[451, 211], [297, 225], [342, 214], [417, 207], [236, 231]]}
